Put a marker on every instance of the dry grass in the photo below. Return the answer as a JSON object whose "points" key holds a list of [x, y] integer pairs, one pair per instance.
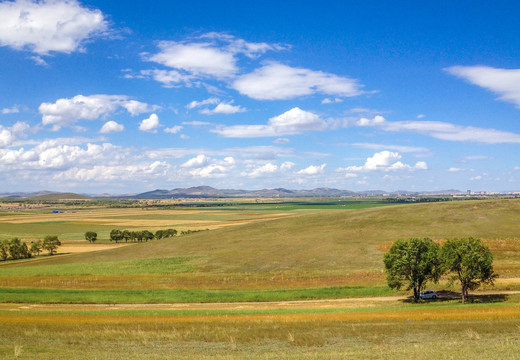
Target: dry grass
{"points": [[280, 337]]}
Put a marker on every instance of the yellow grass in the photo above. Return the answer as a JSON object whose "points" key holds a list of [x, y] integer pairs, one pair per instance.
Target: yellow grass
{"points": [[459, 313]]}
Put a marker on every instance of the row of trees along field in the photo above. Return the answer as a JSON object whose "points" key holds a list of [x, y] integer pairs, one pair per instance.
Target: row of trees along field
{"points": [[15, 249], [414, 262], [117, 235]]}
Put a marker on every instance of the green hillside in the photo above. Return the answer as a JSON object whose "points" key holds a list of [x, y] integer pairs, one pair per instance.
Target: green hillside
{"points": [[325, 248], [59, 196]]}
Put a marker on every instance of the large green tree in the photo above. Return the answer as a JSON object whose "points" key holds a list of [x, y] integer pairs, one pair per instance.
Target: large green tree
{"points": [[411, 263], [116, 235], [91, 236], [470, 261], [51, 243]]}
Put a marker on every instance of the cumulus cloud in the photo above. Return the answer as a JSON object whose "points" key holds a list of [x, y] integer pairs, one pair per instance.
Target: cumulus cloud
{"points": [[385, 161], [294, 121], [376, 120], [150, 124], [66, 112], [115, 172], [206, 167], [312, 170], [223, 108], [195, 58], [49, 25], [262, 170], [276, 81], [198, 161], [54, 154], [111, 126], [504, 82], [211, 55], [8, 135], [443, 130]]}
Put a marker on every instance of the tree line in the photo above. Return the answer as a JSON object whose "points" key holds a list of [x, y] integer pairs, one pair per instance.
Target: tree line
{"points": [[117, 235], [412, 263], [15, 248]]}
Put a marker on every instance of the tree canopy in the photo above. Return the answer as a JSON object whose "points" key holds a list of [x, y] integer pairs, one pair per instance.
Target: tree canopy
{"points": [[51, 243], [411, 263], [91, 236], [470, 261]]}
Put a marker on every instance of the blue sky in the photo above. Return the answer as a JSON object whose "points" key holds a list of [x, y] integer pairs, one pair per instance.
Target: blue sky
{"points": [[126, 96]]}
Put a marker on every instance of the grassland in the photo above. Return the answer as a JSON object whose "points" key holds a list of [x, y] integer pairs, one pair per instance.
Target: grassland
{"points": [[404, 332], [255, 252]]}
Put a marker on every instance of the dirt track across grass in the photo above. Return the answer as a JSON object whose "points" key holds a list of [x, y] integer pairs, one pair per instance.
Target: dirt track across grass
{"points": [[345, 303]]}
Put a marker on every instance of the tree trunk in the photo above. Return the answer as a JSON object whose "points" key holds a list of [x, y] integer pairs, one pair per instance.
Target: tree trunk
{"points": [[415, 295]]}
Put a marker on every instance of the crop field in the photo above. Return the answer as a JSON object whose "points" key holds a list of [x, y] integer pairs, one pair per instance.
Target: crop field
{"points": [[270, 280]]}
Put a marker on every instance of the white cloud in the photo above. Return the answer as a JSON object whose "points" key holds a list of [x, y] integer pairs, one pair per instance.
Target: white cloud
{"points": [[385, 161], [264, 169], [205, 167], [454, 169], [223, 108], [331, 101], [210, 101], [38, 60], [173, 129], [169, 78], [115, 172], [197, 161], [55, 154], [281, 141], [294, 121], [211, 55], [236, 46], [400, 148], [443, 130], [11, 110], [111, 126], [276, 81], [66, 112], [201, 59], [150, 124], [504, 82], [376, 120], [8, 135], [287, 165], [49, 25], [312, 170]]}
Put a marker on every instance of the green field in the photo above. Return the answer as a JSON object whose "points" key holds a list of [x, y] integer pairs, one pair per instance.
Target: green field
{"points": [[256, 253]]}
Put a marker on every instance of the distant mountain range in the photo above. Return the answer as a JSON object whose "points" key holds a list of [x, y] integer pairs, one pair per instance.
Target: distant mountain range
{"points": [[210, 192]]}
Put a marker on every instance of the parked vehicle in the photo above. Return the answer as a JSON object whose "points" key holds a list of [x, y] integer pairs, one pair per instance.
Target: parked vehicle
{"points": [[428, 294]]}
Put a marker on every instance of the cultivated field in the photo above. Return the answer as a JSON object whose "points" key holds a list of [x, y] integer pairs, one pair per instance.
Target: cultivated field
{"points": [[266, 281]]}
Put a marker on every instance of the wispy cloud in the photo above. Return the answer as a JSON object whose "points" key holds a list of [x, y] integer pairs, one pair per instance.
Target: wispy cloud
{"points": [[276, 81], [503, 82]]}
